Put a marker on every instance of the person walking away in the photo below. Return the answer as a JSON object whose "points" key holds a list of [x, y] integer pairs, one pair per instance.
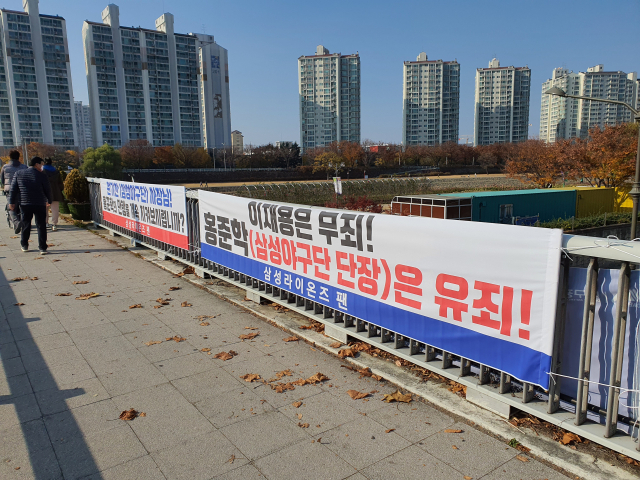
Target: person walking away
{"points": [[55, 181], [6, 176], [31, 188]]}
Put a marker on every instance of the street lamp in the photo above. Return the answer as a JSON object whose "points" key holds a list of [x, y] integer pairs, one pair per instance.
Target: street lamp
{"points": [[635, 190]]}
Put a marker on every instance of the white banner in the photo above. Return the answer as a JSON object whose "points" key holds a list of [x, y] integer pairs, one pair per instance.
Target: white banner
{"points": [[156, 211], [483, 291]]}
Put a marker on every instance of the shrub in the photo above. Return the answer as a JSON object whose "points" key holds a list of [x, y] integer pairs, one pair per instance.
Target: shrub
{"points": [[76, 187], [359, 204]]}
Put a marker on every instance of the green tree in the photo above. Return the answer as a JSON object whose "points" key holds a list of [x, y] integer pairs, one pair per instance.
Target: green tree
{"points": [[328, 162], [102, 162]]}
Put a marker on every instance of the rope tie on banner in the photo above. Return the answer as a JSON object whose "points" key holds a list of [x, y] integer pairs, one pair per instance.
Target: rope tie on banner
{"points": [[611, 242], [622, 390]]}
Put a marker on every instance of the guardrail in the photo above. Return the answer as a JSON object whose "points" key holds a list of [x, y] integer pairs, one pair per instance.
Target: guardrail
{"points": [[578, 411]]}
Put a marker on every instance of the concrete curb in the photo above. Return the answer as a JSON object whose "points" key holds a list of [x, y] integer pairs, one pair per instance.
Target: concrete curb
{"points": [[572, 462]]}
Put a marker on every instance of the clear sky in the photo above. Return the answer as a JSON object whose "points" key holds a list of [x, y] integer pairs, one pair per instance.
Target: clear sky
{"points": [[265, 39]]}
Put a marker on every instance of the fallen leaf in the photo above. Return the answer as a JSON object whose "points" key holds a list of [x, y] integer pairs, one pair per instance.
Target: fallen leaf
{"points": [[297, 404], [137, 305], [99, 255], [398, 363], [14, 236], [569, 437], [142, 414], [356, 395], [467, 477], [205, 350], [317, 378], [18, 304], [67, 294], [204, 324], [157, 306], [522, 458], [299, 416], [86, 296], [336, 345], [454, 447], [303, 425], [162, 301], [347, 352], [152, 342], [290, 339], [233, 457], [186, 304], [81, 282], [250, 377], [397, 397], [128, 414], [251, 328], [284, 373], [453, 430], [176, 339], [224, 356], [171, 289], [19, 279], [56, 260], [390, 430], [249, 336], [186, 271]]}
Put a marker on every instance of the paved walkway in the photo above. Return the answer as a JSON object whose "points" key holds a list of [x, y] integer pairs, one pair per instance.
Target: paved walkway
{"points": [[70, 367]]}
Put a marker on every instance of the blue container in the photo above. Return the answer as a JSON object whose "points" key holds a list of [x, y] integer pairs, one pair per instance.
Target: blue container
{"points": [[502, 207]]}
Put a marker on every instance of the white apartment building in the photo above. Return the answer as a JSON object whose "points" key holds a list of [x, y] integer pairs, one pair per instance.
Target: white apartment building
{"points": [[36, 95], [83, 126], [562, 117], [155, 85], [502, 104], [329, 91], [237, 142], [430, 101]]}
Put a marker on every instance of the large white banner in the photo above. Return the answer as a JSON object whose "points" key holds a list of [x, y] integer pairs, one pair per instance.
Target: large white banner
{"points": [[156, 211], [484, 291]]}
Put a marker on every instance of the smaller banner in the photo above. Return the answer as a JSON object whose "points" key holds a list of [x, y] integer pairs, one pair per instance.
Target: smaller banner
{"points": [[155, 211]]}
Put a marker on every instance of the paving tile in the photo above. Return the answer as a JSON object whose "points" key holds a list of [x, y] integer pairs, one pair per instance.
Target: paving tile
{"points": [[38, 360], [262, 435], [246, 472], [178, 367], [23, 409], [127, 380], [37, 329], [321, 411], [476, 453], [362, 442], [60, 374], [532, 469], [206, 384], [411, 462], [304, 460], [233, 406], [200, 457], [94, 332], [85, 420], [12, 367], [15, 386], [71, 396], [141, 468]]}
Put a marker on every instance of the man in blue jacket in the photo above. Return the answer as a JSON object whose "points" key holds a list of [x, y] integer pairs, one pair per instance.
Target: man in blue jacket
{"points": [[6, 176], [31, 189]]}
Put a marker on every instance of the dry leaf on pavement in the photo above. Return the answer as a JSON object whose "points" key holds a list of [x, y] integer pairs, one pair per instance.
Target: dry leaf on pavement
{"points": [[19, 304], [128, 414], [336, 345], [162, 301], [67, 294], [87, 296], [356, 395], [224, 356], [303, 425], [171, 289], [233, 457], [137, 305], [251, 328], [347, 352], [176, 339], [390, 430], [317, 378], [299, 416], [186, 304], [454, 447], [186, 271], [205, 350], [290, 339], [397, 397], [19, 279], [204, 324], [250, 377], [142, 414], [569, 437], [522, 458], [467, 477], [152, 342], [249, 336], [81, 282], [453, 430], [297, 404]]}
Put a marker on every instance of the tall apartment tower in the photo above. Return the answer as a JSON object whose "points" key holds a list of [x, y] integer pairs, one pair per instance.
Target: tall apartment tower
{"points": [[329, 90], [431, 101], [36, 95], [155, 85], [502, 104], [83, 126], [237, 142], [562, 117]]}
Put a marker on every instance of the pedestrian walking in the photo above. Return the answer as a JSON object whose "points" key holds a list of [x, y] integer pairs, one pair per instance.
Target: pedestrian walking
{"points": [[6, 176], [55, 181], [31, 189]]}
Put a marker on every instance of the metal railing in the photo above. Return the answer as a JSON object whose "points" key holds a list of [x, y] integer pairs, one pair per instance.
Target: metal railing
{"points": [[572, 412]]}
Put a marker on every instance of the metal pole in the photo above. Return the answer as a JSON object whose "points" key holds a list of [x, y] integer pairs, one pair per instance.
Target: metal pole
{"points": [[635, 190]]}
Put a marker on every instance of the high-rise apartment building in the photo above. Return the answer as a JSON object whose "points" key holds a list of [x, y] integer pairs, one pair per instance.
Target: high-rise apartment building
{"points": [[431, 101], [329, 90], [36, 95], [83, 126], [562, 117], [502, 104], [237, 143], [156, 85]]}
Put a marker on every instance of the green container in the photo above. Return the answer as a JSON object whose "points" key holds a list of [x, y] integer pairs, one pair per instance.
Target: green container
{"points": [[64, 207], [80, 211]]}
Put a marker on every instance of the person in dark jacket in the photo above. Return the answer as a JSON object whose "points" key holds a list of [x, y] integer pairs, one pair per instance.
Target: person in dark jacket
{"points": [[31, 188], [55, 181], [6, 176]]}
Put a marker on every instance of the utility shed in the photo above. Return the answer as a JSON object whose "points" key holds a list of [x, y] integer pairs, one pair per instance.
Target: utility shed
{"points": [[433, 206], [593, 200], [508, 206]]}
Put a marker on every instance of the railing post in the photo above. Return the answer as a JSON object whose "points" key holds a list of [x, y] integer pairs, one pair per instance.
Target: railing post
{"points": [[588, 316], [617, 349], [558, 338]]}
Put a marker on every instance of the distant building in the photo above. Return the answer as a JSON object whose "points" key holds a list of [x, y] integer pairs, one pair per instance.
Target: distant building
{"points": [[83, 126], [282, 143], [431, 101], [156, 85], [329, 91], [502, 104], [237, 142], [562, 117], [36, 95]]}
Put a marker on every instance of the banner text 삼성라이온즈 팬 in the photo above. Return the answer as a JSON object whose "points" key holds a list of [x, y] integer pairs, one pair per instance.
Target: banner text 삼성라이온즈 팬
{"points": [[483, 291], [156, 211]]}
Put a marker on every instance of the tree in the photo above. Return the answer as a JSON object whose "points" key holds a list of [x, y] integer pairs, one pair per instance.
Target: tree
{"points": [[328, 162], [352, 153], [102, 162], [196, 158], [536, 162], [36, 149], [137, 154], [289, 154], [163, 156], [486, 160]]}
